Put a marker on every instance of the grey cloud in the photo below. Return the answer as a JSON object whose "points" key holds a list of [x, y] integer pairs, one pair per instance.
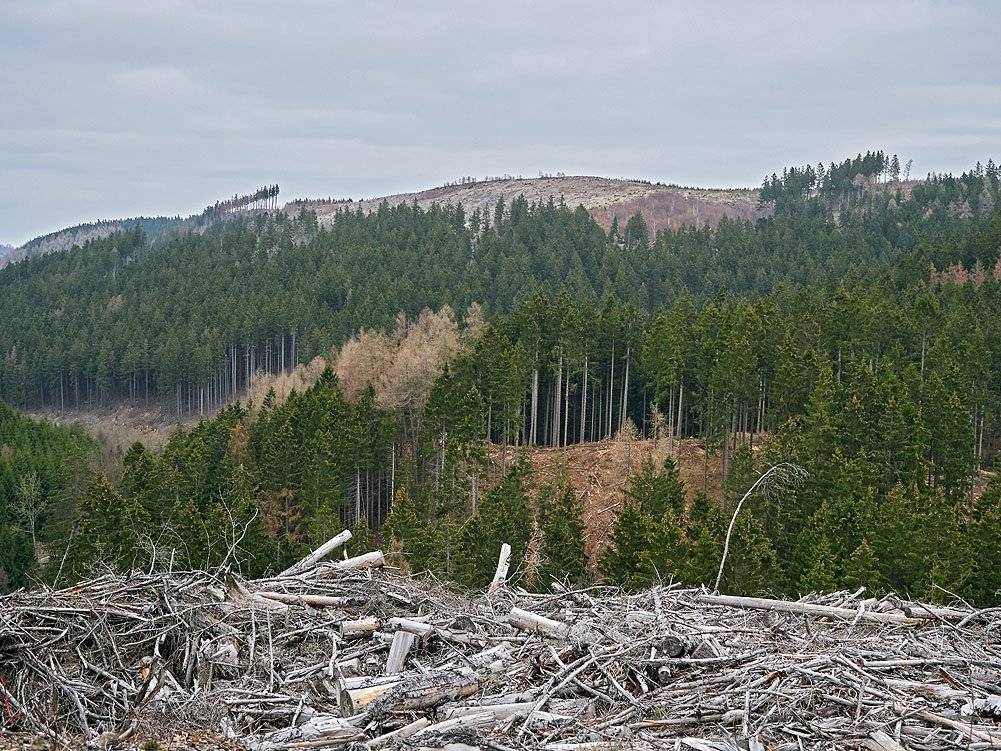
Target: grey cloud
{"points": [[111, 107]]}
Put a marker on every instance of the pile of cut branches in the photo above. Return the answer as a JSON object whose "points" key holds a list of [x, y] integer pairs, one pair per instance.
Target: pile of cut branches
{"points": [[351, 654]]}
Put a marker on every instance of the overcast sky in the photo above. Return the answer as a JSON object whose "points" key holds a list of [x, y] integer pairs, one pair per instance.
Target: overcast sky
{"points": [[114, 108]]}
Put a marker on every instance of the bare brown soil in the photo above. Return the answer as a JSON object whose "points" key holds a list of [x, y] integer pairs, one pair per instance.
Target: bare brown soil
{"points": [[599, 471]]}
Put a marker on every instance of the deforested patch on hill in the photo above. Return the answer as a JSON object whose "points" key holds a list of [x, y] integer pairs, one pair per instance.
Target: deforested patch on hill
{"points": [[599, 472], [606, 199]]}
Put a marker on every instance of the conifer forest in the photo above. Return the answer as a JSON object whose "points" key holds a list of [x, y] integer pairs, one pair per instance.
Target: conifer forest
{"points": [[393, 372]]}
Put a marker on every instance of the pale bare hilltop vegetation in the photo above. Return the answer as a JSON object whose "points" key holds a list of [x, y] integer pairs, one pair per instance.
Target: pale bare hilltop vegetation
{"points": [[662, 206]]}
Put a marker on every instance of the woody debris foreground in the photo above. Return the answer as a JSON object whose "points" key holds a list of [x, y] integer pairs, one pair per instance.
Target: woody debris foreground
{"points": [[351, 654]]}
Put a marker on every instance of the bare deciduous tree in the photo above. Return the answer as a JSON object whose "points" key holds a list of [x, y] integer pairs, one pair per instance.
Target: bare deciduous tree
{"points": [[29, 503]]}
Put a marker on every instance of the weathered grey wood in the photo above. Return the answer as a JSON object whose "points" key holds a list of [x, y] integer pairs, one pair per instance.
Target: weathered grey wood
{"points": [[466, 722], [400, 734], [528, 621], [657, 669], [805, 608], [238, 595], [418, 628], [319, 554], [375, 559], [314, 601], [503, 563], [402, 642], [358, 629], [880, 741], [499, 711]]}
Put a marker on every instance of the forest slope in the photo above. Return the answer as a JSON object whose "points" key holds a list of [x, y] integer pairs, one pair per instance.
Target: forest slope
{"points": [[866, 347]]}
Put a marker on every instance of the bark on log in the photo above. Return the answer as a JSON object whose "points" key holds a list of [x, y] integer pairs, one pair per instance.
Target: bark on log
{"points": [[362, 681], [351, 700], [421, 692], [314, 601]]}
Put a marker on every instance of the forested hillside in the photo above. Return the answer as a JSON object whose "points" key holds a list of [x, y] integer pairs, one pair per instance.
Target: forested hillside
{"points": [[852, 335], [152, 227], [188, 320]]}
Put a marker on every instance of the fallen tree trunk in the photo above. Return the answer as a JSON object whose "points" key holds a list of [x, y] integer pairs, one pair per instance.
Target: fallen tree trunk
{"points": [[375, 559], [318, 555], [805, 608], [360, 628], [314, 601], [418, 628], [425, 691], [538, 624]]}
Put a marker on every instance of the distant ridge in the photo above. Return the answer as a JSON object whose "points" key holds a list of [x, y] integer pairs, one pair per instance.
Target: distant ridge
{"points": [[606, 199], [63, 239]]}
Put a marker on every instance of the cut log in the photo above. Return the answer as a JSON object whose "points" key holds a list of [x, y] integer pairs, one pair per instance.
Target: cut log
{"points": [[467, 722], [375, 559], [493, 659], [314, 601], [400, 734], [402, 642], [423, 691], [318, 555], [804, 608], [418, 628], [361, 628], [499, 711], [351, 700], [538, 624]]}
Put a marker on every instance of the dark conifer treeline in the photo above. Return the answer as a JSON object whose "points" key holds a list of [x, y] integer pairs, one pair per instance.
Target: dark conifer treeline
{"points": [[43, 476]]}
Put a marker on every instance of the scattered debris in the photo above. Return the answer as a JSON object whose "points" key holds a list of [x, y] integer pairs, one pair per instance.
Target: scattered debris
{"points": [[349, 654]]}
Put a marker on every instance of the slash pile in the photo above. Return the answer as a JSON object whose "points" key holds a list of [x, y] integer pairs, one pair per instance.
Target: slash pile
{"points": [[354, 655]]}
